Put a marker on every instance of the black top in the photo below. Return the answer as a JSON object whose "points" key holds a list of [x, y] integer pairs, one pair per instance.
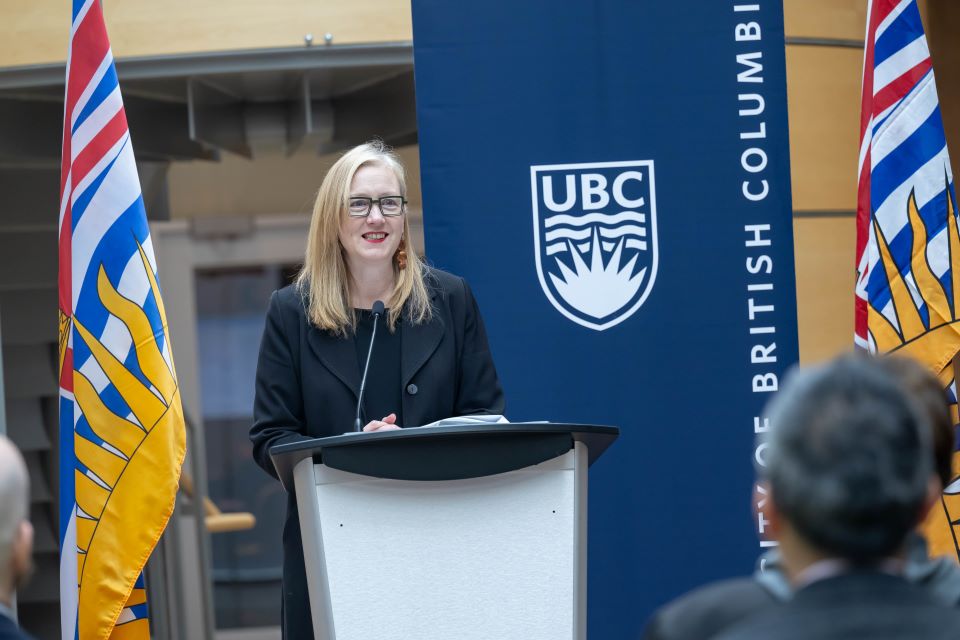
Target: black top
{"points": [[383, 394]]}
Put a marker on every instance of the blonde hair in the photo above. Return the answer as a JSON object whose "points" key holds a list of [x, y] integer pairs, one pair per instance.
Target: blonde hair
{"points": [[324, 279]]}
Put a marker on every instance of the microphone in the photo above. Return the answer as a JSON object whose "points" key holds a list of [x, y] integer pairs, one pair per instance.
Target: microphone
{"points": [[377, 312]]}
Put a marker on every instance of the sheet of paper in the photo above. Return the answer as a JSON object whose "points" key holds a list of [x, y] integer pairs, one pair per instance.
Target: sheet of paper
{"points": [[474, 419]]}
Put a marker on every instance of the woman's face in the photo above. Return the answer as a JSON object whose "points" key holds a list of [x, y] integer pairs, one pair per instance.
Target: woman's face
{"points": [[374, 239]]}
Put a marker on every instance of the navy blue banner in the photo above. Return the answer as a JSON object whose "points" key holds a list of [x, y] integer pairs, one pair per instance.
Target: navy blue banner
{"points": [[612, 177]]}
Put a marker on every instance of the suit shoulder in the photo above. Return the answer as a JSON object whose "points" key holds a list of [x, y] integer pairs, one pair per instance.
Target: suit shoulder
{"points": [[711, 609], [289, 294], [852, 609], [443, 282], [289, 298]]}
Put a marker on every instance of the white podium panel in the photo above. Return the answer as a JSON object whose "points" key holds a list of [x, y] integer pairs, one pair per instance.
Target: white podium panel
{"points": [[493, 558]]}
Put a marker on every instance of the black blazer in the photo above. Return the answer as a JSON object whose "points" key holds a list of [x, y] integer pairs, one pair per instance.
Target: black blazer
{"points": [[860, 604], [307, 384]]}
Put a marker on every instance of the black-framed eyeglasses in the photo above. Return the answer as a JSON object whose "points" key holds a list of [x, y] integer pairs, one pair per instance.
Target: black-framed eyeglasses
{"points": [[389, 206]]}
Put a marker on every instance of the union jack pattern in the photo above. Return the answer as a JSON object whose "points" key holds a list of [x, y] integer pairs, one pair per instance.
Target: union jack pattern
{"points": [[122, 437], [908, 245]]}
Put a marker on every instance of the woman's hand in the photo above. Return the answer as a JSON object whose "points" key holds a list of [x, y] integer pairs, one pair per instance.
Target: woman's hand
{"points": [[387, 424]]}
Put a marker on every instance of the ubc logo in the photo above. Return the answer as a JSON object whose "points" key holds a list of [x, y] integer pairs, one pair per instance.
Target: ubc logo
{"points": [[595, 237]]}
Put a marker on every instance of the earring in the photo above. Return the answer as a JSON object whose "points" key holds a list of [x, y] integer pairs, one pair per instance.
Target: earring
{"points": [[401, 256]]}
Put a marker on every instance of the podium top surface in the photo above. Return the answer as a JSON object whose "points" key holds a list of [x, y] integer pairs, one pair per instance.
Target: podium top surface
{"points": [[445, 452]]}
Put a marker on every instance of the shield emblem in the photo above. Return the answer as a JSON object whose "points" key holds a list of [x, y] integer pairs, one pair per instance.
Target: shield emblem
{"points": [[595, 238]]}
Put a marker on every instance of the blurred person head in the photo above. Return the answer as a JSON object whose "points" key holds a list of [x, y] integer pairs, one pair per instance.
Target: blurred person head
{"points": [[16, 532], [351, 239], [925, 389], [848, 464]]}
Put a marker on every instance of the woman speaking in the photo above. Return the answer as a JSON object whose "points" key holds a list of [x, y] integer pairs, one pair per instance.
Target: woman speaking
{"points": [[430, 361]]}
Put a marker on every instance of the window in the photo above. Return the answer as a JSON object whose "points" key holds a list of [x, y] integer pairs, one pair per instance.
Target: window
{"points": [[231, 305]]}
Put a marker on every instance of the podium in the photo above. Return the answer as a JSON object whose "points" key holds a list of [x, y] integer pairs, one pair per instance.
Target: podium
{"points": [[465, 531]]}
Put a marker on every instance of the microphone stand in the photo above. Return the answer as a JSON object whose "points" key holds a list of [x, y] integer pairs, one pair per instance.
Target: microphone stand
{"points": [[377, 312]]}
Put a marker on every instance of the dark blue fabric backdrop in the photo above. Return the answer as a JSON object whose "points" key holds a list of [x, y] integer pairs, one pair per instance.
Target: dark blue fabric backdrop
{"points": [[503, 86]]}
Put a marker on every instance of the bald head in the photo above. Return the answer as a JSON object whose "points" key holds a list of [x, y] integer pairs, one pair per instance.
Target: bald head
{"points": [[15, 531]]}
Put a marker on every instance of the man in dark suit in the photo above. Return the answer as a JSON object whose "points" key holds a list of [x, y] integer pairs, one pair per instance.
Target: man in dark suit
{"points": [[708, 610], [16, 535], [849, 475]]}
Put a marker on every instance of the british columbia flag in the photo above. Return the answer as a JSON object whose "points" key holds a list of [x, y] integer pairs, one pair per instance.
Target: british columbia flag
{"points": [[121, 423], [908, 245]]}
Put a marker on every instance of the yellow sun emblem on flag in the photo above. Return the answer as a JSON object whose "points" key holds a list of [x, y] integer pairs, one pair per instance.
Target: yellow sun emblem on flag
{"points": [[935, 345], [125, 500]]}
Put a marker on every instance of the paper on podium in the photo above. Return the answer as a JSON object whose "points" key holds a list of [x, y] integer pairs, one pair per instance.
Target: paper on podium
{"points": [[450, 422], [473, 419]]}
